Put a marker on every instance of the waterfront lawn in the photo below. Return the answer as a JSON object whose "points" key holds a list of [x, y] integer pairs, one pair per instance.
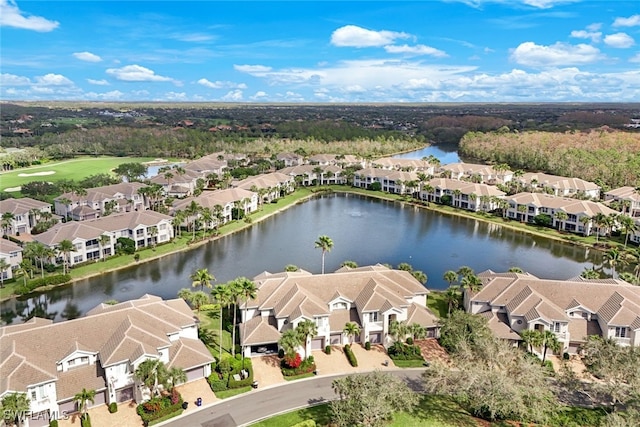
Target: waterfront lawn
{"points": [[437, 304], [75, 169], [209, 331]]}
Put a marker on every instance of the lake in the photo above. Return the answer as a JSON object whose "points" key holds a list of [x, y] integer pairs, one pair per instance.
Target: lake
{"points": [[364, 230]]}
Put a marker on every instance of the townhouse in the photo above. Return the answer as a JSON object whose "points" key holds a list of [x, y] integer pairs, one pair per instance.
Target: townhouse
{"points": [[486, 174], [393, 163], [274, 185], [51, 362], [178, 184], [559, 185], [371, 296], [290, 159], [524, 207], [341, 160], [627, 197], [215, 163], [307, 175], [11, 253], [391, 181], [572, 309], [220, 202], [101, 201], [96, 239], [23, 214], [462, 194]]}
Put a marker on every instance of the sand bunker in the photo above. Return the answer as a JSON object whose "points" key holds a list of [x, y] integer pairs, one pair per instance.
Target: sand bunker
{"points": [[11, 189], [37, 173]]}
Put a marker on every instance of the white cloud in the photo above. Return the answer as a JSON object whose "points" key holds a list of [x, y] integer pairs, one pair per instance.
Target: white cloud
{"points": [[583, 34], [194, 37], [558, 54], [53, 80], [635, 58], [416, 50], [111, 95], [136, 73], [541, 4], [175, 96], [221, 84], [354, 36], [233, 95], [102, 82], [87, 56], [252, 69], [11, 16], [259, 95], [619, 40], [632, 21], [13, 80]]}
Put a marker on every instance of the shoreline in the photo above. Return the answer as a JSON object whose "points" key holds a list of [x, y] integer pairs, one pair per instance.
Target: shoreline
{"points": [[303, 198]]}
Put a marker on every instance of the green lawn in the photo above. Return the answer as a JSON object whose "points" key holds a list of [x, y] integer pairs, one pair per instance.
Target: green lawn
{"points": [[75, 169], [409, 363], [437, 304], [210, 333]]}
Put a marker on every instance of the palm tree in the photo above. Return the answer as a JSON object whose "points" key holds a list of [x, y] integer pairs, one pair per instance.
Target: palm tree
{"points": [[185, 294], [585, 220], [515, 269], [452, 298], [103, 241], [465, 271], [351, 329], [4, 266], [198, 299], [24, 268], [590, 273], [318, 172], [450, 276], [398, 330], [628, 225], [38, 252], [628, 277], [561, 217], [7, 220], [417, 331], [472, 282], [550, 342], [222, 297], [234, 292], [65, 247], [15, 406], [325, 244], [247, 290], [289, 341], [614, 258], [152, 373], [175, 376], [349, 264], [82, 399], [307, 329], [153, 232], [529, 337], [420, 276], [202, 278]]}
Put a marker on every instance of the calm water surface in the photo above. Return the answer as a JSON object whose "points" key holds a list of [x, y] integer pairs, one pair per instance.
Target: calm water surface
{"points": [[364, 230], [443, 152]]}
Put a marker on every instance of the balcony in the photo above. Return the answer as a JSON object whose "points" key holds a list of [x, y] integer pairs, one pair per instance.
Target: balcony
{"points": [[623, 341]]}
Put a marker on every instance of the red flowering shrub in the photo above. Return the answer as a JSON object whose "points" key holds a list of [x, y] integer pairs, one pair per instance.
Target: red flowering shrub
{"points": [[292, 361], [175, 396], [151, 406]]}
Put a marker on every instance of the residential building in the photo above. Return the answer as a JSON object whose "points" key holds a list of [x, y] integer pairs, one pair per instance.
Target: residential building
{"points": [[371, 296], [145, 228], [463, 194], [391, 181], [215, 163], [275, 185], [342, 160], [51, 362], [290, 159], [408, 165], [101, 201], [478, 173], [26, 213], [559, 185], [572, 309], [524, 207], [307, 175], [12, 254], [221, 202], [635, 236], [178, 184], [628, 197]]}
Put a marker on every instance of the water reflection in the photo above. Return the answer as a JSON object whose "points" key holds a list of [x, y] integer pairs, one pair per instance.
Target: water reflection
{"points": [[364, 230], [446, 153]]}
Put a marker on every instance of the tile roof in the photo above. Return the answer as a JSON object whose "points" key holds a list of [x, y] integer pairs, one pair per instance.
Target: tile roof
{"points": [[21, 206]]}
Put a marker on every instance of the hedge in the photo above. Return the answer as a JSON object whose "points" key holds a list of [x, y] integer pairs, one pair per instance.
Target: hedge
{"points": [[113, 407], [350, 356], [400, 351], [43, 281], [306, 423], [169, 411], [166, 417], [227, 381]]}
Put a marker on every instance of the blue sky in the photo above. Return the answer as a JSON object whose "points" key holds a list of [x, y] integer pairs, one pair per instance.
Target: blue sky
{"points": [[327, 51]]}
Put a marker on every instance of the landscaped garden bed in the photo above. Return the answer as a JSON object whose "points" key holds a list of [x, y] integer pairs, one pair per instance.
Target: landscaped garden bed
{"points": [[406, 355], [231, 374], [159, 409]]}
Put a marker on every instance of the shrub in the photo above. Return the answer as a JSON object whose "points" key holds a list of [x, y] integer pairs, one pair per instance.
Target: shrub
{"points": [[162, 409], [217, 382], [307, 366], [113, 407], [401, 351], [53, 423], [566, 356], [367, 345], [292, 361], [350, 356], [175, 396], [281, 353], [44, 281], [85, 421], [306, 423], [327, 349], [233, 383], [238, 349], [409, 341]]}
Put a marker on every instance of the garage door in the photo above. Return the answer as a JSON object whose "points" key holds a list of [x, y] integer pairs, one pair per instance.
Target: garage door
{"points": [[67, 408], [124, 395], [40, 419], [99, 399], [195, 374], [375, 338], [573, 348], [317, 344], [336, 339]]}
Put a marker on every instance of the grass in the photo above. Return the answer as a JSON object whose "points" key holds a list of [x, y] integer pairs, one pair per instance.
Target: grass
{"points": [[437, 304], [408, 363], [298, 377], [432, 411], [75, 169], [210, 332], [225, 394]]}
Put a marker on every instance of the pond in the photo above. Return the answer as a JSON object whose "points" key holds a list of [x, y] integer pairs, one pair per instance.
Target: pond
{"points": [[364, 230]]}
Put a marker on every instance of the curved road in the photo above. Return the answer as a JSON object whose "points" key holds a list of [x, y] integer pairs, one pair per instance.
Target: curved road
{"points": [[263, 403]]}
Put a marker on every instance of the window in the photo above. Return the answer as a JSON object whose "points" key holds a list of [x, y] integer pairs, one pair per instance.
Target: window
{"points": [[320, 321], [373, 317], [340, 306], [621, 332], [556, 327]]}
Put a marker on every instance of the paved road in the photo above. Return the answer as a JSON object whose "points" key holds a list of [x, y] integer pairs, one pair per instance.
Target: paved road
{"points": [[259, 404]]}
